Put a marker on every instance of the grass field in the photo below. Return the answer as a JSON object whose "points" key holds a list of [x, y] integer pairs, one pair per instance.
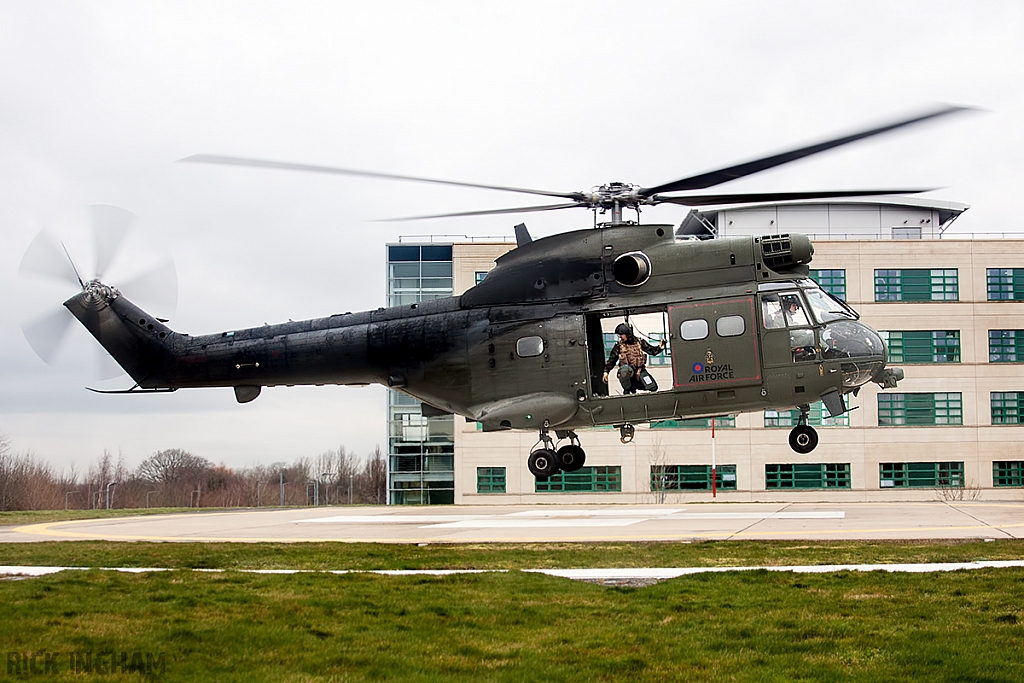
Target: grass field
{"points": [[753, 626]]}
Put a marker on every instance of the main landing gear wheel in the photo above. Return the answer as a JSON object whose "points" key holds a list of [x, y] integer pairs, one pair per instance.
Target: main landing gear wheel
{"points": [[803, 439], [543, 463], [571, 457]]}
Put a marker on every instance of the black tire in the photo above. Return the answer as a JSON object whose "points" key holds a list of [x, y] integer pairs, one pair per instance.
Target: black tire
{"points": [[803, 439], [543, 463], [571, 457]]}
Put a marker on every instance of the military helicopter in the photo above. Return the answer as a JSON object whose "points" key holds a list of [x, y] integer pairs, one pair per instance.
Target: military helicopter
{"points": [[747, 329]]}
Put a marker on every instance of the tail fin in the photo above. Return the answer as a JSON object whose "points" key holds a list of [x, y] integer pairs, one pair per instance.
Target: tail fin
{"points": [[141, 344]]}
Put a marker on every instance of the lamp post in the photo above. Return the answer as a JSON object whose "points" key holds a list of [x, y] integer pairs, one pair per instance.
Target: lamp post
{"points": [[69, 493], [349, 488], [113, 483], [258, 485]]}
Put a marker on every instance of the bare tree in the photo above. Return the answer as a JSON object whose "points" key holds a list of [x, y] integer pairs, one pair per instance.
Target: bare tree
{"points": [[657, 455], [375, 478], [177, 473], [26, 483]]}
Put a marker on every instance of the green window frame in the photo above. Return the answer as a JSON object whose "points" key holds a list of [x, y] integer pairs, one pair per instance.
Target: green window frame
{"points": [[817, 417], [692, 477], [1005, 346], [1005, 284], [479, 276], [917, 284], [1008, 473], [599, 479], [1007, 407], [823, 475], [923, 346], [490, 480], [832, 281], [909, 410], [920, 474], [723, 422]]}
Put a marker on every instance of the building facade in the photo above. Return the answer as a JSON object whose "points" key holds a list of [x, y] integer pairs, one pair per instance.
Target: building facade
{"points": [[952, 312]]}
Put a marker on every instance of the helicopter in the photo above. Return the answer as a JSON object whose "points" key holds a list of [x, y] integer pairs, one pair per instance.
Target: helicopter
{"points": [[745, 326]]}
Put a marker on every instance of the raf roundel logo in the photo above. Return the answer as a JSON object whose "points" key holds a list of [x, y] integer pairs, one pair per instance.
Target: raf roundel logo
{"points": [[698, 368]]}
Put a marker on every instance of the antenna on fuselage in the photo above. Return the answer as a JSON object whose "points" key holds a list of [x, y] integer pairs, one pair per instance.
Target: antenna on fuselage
{"points": [[522, 235]]}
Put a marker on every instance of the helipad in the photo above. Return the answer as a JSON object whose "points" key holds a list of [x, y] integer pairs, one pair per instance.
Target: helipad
{"points": [[458, 524]]}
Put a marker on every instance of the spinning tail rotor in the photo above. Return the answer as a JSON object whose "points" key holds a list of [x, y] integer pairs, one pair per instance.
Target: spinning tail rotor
{"points": [[154, 287]]}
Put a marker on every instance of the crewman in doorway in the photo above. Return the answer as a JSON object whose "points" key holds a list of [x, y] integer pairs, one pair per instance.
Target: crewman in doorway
{"points": [[631, 355]]}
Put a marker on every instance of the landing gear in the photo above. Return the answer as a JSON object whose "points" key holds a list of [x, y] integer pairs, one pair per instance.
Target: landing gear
{"points": [[546, 461], [803, 439], [543, 463]]}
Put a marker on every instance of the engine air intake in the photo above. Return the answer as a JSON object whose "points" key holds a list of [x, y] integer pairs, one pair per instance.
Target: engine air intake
{"points": [[632, 269], [785, 251]]}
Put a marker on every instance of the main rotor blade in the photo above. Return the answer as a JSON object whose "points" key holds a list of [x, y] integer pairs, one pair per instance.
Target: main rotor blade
{"points": [[722, 175], [754, 197], [46, 259], [46, 334], [110, 226], [288, 166], [486, 212]]}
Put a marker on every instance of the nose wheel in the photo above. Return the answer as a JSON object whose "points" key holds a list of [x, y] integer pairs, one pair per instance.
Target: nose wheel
{"points": [[803, 438]]}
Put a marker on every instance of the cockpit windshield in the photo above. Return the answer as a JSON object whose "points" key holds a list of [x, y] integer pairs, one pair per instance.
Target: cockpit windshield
{"points": [[824, 306]]}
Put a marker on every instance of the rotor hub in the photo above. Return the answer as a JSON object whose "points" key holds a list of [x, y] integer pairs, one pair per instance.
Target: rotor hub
{"points": [[96, 294]]}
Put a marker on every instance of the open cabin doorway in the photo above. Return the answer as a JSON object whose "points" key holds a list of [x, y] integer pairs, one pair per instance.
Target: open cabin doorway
{"points": [[650, 325]]}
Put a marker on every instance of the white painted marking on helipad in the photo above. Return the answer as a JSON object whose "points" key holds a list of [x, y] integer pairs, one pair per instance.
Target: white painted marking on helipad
{"points": [[508, 523], [389, 519], [655, 512]]}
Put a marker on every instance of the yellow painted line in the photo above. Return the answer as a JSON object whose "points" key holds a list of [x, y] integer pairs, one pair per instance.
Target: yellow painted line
{"points": [[46, 529]]}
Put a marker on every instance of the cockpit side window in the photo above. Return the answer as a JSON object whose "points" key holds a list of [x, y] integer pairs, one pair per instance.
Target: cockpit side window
{"points": [[796, 314]]}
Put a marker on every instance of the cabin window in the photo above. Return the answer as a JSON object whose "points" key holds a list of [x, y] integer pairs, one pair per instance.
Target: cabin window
{"points": [[693, 330], [730, 326], [527, 347]]}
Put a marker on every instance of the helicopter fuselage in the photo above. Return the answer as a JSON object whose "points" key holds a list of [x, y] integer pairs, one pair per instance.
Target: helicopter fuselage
{"points": [[524, 348]]}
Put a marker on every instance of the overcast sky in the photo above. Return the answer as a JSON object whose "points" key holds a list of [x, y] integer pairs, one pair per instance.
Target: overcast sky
{"points": [[98, 100]]}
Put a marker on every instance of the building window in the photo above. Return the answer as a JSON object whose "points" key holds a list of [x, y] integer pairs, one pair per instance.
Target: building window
{"points": [[692, 477], [490, 480], [920, 409], [818, 417], [479, 276], [725, 421], [584, 479], [917, 285], [418, 273], [923, 346], [832, 281], [1008, 473], [1005, 346], [1005, 284], [920, 474], [1007, 407], [807, 476]]}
